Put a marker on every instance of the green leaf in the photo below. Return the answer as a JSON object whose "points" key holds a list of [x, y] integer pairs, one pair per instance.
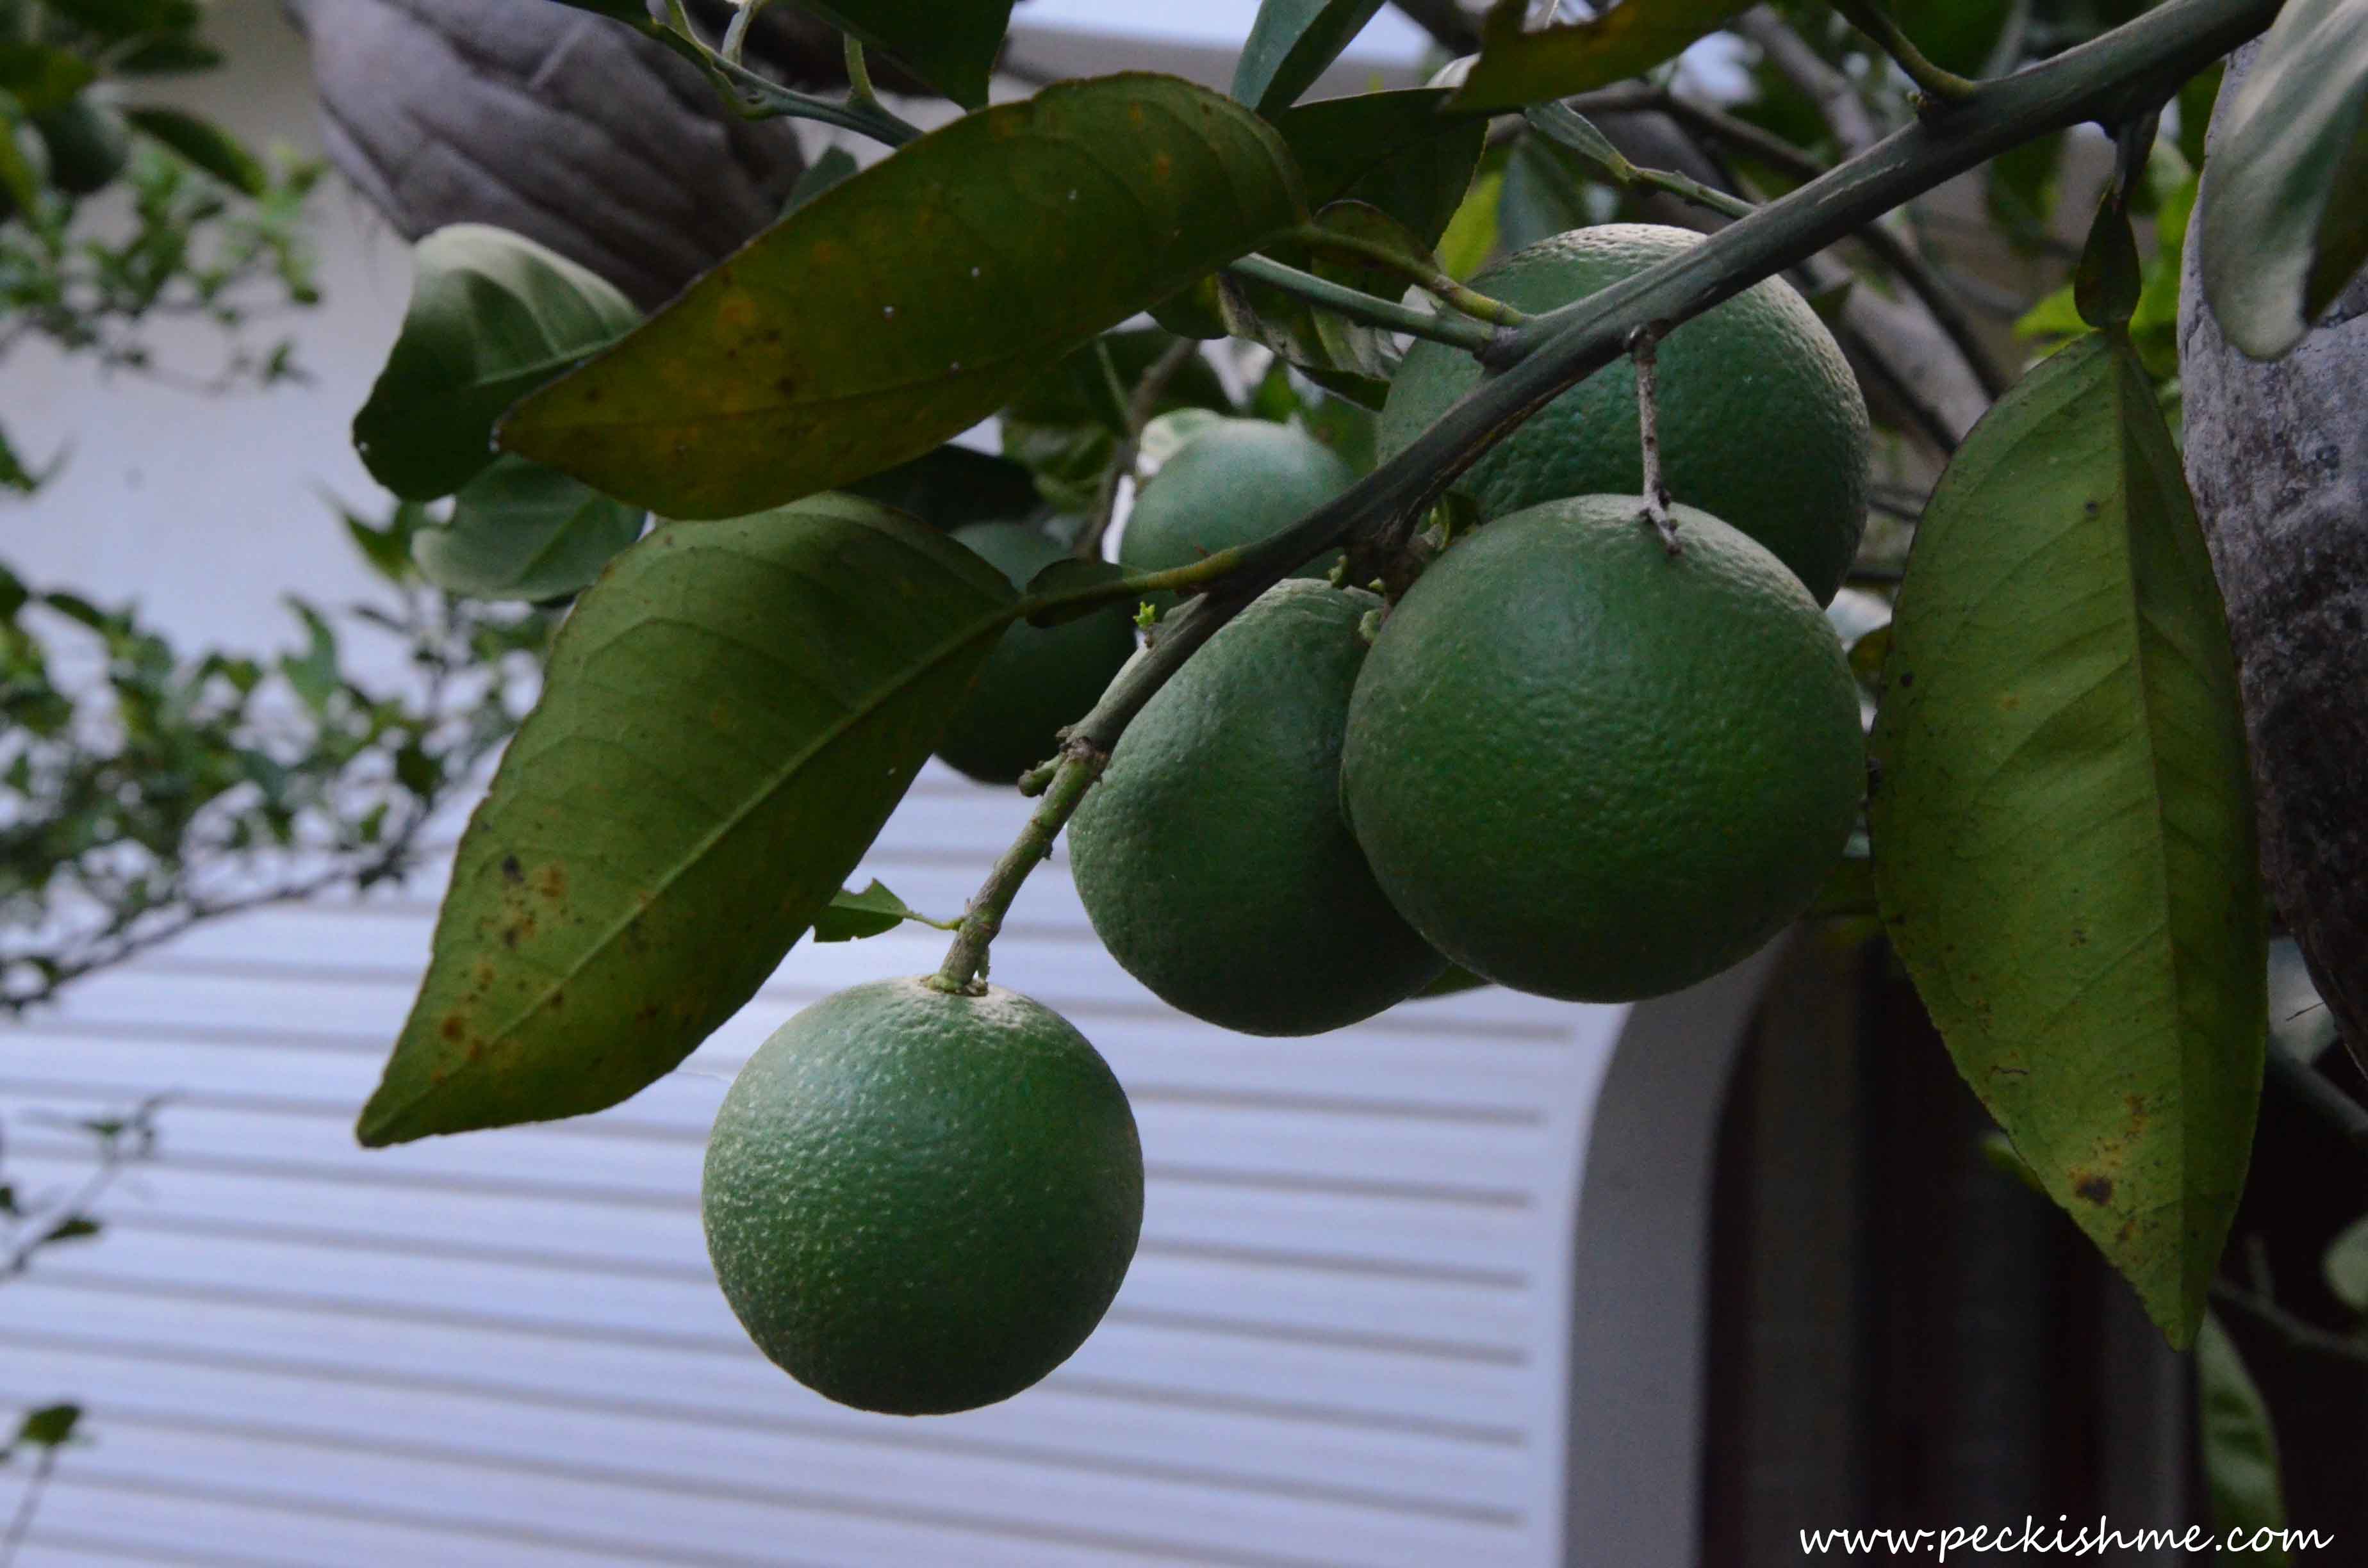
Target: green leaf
{"points": [[522, 531], [492, 315], [908, 303], [1517, 67], [50, 1426], [205, 145], [2347, 1267], [2106, 286], [2285, 212], [41, 78], [953, 485], [2240, 1446], [1472, 234], [1314, 339], [836, 166], [949, 44], [128, 18], [1576, 131], [73, 1228], [1291, 44], [727, 719], [1400, 151], [2063, 824], [875, 912]]}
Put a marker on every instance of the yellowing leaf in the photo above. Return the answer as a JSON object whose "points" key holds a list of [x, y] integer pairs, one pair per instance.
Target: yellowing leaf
{"points": [[728, 718], [907, 303], [2063, 820]]}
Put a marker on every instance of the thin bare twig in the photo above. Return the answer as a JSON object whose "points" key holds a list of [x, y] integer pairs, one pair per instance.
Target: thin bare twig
{"points": [[1139, 410], [1643, 348]]}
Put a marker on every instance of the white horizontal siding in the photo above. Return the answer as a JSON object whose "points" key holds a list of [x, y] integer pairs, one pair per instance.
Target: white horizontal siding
{"points": [[1342, 1342]]}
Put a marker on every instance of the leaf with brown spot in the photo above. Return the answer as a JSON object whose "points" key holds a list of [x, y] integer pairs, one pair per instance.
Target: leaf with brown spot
{"points": [[907, 303], [1518, 66], [2064, 828], [654, 865]]}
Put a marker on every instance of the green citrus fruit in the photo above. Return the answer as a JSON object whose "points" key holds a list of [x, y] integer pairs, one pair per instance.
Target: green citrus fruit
{"points": [[89, 144], [1235, 482], [1584, 767], [1212, 859], [1038, 678], [920, 1202], [1761, 421]]}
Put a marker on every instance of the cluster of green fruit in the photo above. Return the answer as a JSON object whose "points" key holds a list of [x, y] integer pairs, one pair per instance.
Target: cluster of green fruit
{"points": [[1571, 760]]}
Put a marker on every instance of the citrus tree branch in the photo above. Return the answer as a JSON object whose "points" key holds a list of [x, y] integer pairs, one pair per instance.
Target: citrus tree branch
{"points": [[965, 963], [2104, 79]]}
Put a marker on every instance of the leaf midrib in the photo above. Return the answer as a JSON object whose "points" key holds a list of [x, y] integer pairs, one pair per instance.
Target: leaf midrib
{"points": [[730, 824]]}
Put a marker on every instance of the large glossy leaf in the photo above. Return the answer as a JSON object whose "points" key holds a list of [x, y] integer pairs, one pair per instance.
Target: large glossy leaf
{"points": [[727, 720], [950, 44], [2063, 824], [522, 531], [1517, 67], [2240, 1446], [492, 315], [2285, 206], [903, 306], [1289, 45], [1398, 152]]}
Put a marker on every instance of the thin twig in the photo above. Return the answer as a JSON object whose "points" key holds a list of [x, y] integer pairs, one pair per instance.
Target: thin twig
{"points": [[2310, 1089], [2296, 1332], [735, 36], [1940, 88], [1643, 348], [1121, 472], [1422, 272], [1834, 94], [965, 967], [28, 1502], [1455, 330]]}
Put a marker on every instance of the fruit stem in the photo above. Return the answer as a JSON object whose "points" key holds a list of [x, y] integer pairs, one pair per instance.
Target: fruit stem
{"points": [[1644, 347], [1359, 306], [964, 970]]}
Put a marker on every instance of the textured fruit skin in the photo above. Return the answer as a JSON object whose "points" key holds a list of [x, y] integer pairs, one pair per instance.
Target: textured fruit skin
{"points": [[919, 1202], [1235, 482], [1762, 422], [1039, 679], [1212, 859], [1584, 768]]}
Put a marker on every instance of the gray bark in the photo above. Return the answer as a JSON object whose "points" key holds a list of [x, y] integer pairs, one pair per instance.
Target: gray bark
{"points": [[552, 122], [2278, 458]]}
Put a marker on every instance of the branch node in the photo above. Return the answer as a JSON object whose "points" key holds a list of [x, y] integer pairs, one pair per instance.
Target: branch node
{"points": [[1644, 347]]}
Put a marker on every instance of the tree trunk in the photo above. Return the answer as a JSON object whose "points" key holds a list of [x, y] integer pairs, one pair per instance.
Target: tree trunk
{"points": [[2278, 456]]}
